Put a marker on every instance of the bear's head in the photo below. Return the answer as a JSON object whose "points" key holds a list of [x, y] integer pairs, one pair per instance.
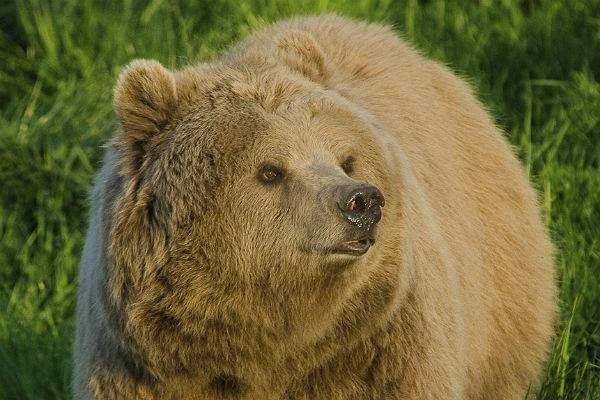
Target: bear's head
{"points": [[249, 193]]}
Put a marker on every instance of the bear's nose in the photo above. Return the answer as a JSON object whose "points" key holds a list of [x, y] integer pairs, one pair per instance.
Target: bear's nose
{"points": [[362, 206]]}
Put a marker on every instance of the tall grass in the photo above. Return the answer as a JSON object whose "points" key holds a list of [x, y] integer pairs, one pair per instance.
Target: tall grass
{"points": [[535, 63]]}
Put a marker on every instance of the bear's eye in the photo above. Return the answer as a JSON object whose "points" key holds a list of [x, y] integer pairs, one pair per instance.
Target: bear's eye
{"points": [[270, 174], [348, 165]]}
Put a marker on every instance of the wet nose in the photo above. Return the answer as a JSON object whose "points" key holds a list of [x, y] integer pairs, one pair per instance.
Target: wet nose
{"points": [[362, 205]]}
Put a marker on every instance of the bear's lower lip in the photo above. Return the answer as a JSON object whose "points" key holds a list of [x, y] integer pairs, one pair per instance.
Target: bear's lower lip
{"points": [[353, 247]]}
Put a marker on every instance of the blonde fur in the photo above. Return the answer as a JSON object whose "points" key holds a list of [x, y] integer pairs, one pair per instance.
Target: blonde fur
{"points": [[192, 284]]}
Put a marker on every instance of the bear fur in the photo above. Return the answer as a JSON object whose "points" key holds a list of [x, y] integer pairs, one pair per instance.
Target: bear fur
{"points": [[200, 281]]}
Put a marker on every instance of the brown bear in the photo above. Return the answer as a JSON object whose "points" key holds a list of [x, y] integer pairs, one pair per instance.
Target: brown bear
{"points": [[320, 213]]}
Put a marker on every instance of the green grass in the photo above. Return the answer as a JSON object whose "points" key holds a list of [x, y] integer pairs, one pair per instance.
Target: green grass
{"points": [[535, 64]]}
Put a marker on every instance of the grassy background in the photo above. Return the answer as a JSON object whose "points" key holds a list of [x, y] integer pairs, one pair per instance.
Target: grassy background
{"points": [[535, 63]]}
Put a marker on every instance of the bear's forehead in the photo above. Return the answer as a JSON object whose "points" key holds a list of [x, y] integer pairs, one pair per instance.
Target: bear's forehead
{"points": [[270, 89], [229, 88], [232, 106]]}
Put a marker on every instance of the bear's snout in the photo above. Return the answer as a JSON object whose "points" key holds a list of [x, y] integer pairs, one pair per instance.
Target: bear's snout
{"points": [[361, 206]]}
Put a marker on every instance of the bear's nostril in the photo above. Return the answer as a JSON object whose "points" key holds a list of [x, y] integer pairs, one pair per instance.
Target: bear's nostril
{"points": [[357, 204]]}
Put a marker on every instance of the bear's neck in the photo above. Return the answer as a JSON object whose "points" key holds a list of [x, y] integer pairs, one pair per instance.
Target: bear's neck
{"points": [[261, 339]]}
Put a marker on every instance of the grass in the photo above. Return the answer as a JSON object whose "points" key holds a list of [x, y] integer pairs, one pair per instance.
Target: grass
{"points": [[535, 63]]}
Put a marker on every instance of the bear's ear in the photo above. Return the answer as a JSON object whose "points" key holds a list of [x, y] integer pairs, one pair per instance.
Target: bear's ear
{"points": [[302, 53], [145, 98]]}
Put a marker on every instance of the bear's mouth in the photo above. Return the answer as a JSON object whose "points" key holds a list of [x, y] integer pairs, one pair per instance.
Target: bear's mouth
{"points": [[356, 247]]}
